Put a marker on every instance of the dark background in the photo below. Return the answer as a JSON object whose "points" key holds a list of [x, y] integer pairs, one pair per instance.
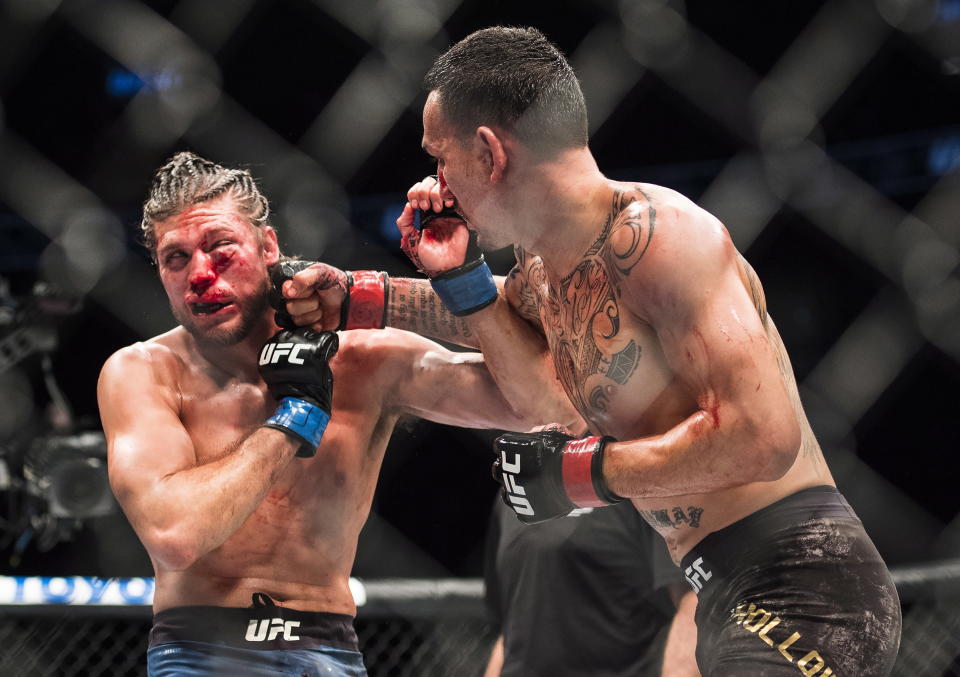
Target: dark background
{"points": [[824, 134]]}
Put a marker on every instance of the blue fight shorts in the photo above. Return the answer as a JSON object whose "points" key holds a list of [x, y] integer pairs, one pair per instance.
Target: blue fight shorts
{"points": [[267, 640]]}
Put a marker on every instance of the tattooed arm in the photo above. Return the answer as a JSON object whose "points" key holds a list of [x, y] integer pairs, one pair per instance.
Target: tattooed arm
{"points": [[687, 285], [315, 296], [413, 305], [511, 338]]}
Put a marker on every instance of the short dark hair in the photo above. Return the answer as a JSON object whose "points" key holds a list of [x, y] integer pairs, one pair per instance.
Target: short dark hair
{"points": [[514, 78], [188, 179]]}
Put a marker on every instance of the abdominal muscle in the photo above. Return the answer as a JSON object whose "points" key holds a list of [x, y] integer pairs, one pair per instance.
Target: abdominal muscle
{"points": [[683, 521]]}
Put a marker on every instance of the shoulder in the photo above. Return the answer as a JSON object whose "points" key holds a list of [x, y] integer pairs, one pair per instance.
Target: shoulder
{"points": [[649, 219], [157, 360], [660, 239], [522, 285]]}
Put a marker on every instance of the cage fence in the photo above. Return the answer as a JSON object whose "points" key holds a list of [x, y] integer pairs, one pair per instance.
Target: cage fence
{"points": [[416, 628]]}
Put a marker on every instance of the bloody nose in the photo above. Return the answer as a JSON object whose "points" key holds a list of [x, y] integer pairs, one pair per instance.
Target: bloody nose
{"points": [[202, 278]]}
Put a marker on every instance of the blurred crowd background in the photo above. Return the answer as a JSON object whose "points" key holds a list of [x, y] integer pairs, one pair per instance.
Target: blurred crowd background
{"points": [[825, 135]]}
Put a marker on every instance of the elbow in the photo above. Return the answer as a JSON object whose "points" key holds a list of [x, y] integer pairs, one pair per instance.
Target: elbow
{"points": [[777, 448], [173, 551], [571, 424]]}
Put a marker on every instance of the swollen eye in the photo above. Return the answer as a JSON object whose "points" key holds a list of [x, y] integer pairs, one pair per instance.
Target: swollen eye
{"points": [[219, 259]]}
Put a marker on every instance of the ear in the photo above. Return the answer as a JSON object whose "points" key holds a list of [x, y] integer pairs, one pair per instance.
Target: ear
{"points": [[495, 153], [271, 248]]}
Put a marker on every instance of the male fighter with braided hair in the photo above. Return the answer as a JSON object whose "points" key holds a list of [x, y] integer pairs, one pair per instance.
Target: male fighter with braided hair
{"points": [[658, 330], [244, 471]]}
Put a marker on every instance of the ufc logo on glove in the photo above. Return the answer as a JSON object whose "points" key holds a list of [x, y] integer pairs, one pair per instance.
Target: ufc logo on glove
{"points": [[272, 352], [516, 494], [559, 474]]}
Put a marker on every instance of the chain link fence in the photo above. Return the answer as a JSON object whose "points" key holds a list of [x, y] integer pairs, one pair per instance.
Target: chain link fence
{"points": [[418, 628], [68, 644]]}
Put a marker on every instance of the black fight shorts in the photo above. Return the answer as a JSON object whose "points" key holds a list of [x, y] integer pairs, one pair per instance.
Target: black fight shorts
{"points": [[795, 588], [263, 626]]}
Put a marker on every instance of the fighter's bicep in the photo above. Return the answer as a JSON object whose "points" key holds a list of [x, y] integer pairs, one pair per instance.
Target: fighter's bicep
{"points": [[714, 342], [444, 386], [146, 441], [689, 288]]}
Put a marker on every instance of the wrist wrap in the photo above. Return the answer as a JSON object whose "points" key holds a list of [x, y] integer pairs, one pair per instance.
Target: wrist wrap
{"points": [[365, 306], [467, 288], [302, 420], [582, 468]]}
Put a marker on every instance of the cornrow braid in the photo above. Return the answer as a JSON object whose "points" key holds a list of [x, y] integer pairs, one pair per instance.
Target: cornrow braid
{"points": [[188, 179]]}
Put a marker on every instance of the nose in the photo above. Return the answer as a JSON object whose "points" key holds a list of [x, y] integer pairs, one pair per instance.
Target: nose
{"points": [[445, 192], [202, 273]]}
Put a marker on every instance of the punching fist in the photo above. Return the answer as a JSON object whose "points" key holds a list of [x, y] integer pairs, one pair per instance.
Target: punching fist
{"points": [[442, 247], [319, 296], [547, 474], [295, 367]]}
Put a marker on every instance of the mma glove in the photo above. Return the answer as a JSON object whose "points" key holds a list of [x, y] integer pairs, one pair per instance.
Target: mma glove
{"points": [[466, 288], [548, 474], [364, 306], [294, 365]]}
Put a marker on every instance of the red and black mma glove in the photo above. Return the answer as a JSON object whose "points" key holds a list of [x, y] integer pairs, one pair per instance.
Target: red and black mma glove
{"points": [[466, 288], [548, 474], [295, 367], [364, 304]]}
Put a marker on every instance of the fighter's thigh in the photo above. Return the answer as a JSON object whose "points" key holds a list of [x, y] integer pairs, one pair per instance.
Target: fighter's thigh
{"points": [[769, 639], [840, 622], [198, 659]]}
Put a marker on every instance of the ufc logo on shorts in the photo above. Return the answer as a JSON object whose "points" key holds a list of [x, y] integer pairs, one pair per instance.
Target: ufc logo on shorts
{"points": [[515, 493], [272, 352], [695, 572], [268, 629]]}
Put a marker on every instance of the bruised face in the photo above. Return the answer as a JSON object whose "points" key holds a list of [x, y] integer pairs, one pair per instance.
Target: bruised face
{"points": [[463, 167], [213, 265]]}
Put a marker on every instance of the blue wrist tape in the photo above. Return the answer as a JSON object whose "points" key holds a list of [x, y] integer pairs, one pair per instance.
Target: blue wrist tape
{"points": [[467, 289], [306, 421]]}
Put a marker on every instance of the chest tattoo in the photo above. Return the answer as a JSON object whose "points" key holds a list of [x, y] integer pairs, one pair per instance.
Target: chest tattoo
{"points": [[581, 314]]}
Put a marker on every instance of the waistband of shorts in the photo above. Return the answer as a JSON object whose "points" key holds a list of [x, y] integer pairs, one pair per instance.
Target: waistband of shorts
{"points": [[727, 544], [265, 628]]}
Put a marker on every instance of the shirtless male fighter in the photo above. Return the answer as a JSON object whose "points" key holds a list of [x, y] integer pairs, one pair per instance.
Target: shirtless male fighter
{"points": [[659, 332], [227, 489]]}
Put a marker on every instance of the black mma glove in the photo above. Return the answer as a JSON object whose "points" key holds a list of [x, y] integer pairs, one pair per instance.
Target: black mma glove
{"points": [[294, 365], [364, 306], [548, 474]]}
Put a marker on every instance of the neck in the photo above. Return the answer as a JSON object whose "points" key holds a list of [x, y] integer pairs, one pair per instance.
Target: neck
{"points": [[240, 359], [565, 204]]}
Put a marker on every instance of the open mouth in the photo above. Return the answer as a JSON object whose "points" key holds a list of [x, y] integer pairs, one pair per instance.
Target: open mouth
{"points": [[207, 308]]}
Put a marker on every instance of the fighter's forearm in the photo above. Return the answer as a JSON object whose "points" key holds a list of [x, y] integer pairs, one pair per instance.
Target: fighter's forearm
{"points": [[520, 362], [708, 451], [413, 305], [203, 506]]}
